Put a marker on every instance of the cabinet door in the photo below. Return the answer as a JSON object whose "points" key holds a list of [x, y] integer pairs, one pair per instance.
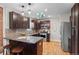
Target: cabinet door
{"points": [[26, 23], [40, 47], [17, 21]]}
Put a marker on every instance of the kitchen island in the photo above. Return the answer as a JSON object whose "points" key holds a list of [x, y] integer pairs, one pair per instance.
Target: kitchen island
{"points": [[32, 45]]}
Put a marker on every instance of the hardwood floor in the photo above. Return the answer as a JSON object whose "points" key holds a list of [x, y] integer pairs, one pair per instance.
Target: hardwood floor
{"points": [[53, 48]]}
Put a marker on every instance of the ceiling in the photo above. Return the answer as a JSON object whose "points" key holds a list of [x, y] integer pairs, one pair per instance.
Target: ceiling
{"points": [[52, 8]]}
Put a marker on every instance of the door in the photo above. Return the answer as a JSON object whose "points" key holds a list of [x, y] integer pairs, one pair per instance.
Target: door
{"points": [[75, 29], [1, 27]]}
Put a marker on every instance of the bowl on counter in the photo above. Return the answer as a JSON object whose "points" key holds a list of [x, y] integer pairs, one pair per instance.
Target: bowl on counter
{"points": [[22, 34]]}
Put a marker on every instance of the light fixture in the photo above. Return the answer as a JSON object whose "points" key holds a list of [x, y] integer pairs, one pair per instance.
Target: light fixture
{"points": [[29, 4], [49, 16], [37, 14], [44, 15], [29, 10], [45, 10], [40, 14], [22, 13]]}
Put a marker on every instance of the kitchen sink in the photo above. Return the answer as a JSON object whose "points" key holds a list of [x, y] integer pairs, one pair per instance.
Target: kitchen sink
{"points": [[22, 37]]}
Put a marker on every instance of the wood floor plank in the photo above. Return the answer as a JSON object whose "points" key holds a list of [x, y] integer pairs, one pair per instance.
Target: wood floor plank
{"points": [[53, 48]]}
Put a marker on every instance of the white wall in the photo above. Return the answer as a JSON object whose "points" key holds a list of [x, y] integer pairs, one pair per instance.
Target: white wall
{"points": [[5, 22], [55, 25]]}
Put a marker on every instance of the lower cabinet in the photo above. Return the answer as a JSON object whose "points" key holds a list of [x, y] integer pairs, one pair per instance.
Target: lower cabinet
{"points": [[40, 47], [29, 49]]}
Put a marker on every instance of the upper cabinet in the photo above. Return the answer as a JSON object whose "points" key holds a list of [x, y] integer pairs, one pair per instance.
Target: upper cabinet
{"points": [[18, 21], [41, 24]]}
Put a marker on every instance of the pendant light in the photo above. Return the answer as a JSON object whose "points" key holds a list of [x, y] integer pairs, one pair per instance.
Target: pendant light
{"points": [[29, 10], [22, 13]]}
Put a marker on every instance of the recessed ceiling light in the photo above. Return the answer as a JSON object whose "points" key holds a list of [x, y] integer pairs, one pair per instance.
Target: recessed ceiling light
{"points": [[45, 10]]}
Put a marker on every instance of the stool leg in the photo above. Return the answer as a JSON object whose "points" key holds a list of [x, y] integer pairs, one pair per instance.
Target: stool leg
{"points": [[3, 51], [23, 52], [6, 52]]}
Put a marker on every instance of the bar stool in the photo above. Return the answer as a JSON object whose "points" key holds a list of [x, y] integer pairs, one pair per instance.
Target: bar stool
{"points": [[7, 47], [17, 50]]}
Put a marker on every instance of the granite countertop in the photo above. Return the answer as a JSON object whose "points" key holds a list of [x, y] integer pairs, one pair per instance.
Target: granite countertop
{"points": [[27, 39], [11, 35]]}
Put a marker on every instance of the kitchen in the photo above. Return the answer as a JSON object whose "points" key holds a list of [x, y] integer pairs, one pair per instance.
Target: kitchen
{"points": [[21, 32], [24, 34]]}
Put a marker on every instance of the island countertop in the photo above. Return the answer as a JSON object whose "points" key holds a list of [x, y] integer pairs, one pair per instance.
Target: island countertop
{"points": [[12, 35]]}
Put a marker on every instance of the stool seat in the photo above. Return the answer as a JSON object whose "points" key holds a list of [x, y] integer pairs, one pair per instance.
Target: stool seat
{"points": [[7, 46], [17, 50]]}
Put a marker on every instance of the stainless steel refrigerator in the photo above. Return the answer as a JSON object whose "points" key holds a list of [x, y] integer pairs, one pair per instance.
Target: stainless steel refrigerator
{"points": [[65, 32]]}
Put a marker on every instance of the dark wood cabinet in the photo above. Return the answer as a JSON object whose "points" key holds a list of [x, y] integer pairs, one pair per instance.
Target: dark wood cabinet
{"points": [[42, 26], [36, 25], [74, 29], [29, 48], [17, 21], [40, 47]]}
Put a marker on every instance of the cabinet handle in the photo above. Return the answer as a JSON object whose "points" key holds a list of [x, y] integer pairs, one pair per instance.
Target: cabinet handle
{"points": [[40, 44]]}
